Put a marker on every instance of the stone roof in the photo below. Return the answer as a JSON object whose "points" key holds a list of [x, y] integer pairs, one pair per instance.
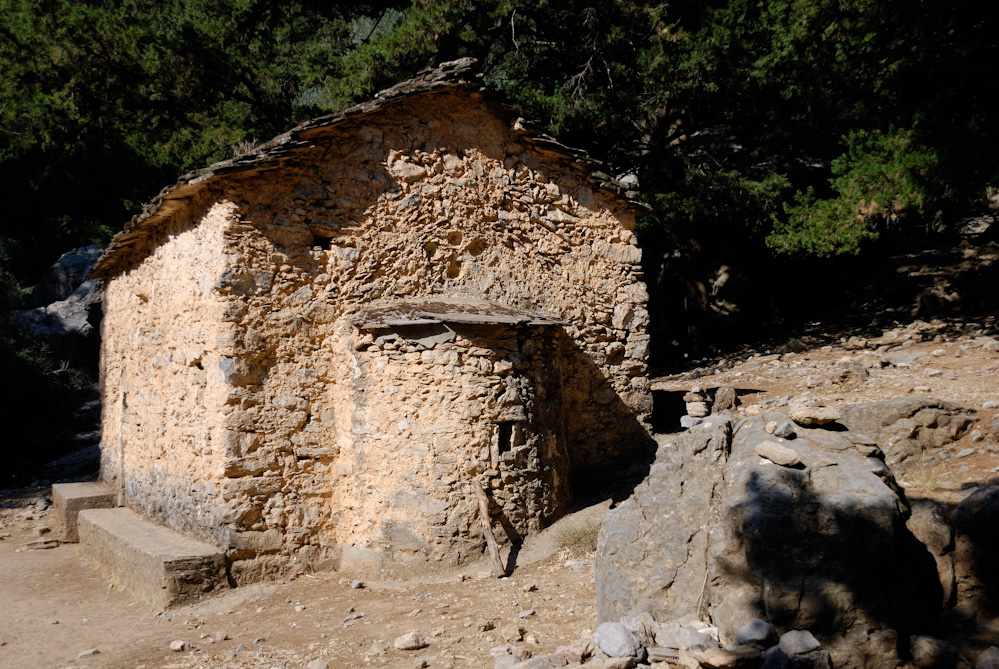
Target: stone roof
{"points": [[455, 75], [440, 310]]}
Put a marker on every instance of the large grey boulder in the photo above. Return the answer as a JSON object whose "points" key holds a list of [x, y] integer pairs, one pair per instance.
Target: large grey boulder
{"points": [[67, 273], [909, 429], [78, 314], [66, 302], [719, 532], [641, 560]]}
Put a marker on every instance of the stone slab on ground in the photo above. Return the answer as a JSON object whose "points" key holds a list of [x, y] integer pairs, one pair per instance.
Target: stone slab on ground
{"points": [[152, 562], [68, 499]]}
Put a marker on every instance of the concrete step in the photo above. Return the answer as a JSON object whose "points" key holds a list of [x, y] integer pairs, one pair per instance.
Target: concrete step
{"points": [[151, 562], [68, 499]]}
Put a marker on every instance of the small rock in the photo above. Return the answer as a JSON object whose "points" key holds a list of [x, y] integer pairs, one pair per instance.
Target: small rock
{"points": [[88, 652], [577, 652], [785, 430], [808, 416], [725, 399], [802, 401], [929, 652], [420, 664], [778, 454], [356, 585], [991, 405], [929, 371], [687, 422], [698, 409], [757, 633], [377, 648], [798, 642], [512, 633], [938, 353], [409, 641], [221, 636], [300, 608], [965, 453], [530, 612], [484, 625], [530, 587], [179, 646], [618, 641], [318, 664], [989, 659], [259, 640]]}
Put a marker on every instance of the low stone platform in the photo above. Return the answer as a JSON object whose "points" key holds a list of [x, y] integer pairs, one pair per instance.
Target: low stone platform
{"points": [[68, 499], [149, 561]]}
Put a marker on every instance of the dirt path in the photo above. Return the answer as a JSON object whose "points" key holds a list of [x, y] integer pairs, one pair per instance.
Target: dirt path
{"points": [[55, 607]]}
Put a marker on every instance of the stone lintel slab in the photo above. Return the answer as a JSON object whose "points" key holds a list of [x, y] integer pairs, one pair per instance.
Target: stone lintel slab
{"points": [[68, 499], [151, 562]]}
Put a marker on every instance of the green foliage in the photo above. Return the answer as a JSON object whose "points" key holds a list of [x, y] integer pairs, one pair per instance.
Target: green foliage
{"points": [[102, 103], [881, 175]]}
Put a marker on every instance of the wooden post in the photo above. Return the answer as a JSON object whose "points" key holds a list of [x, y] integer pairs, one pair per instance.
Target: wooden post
{"points": [[498, 570]]}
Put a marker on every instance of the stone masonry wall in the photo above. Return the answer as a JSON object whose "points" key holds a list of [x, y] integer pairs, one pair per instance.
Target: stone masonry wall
{"points": [[429, 418], [162, 384], [300, 452]]}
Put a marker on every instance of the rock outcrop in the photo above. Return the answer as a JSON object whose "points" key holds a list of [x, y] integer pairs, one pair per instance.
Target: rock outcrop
{"points": [[718, 532], [909, 429], [66, 302]]}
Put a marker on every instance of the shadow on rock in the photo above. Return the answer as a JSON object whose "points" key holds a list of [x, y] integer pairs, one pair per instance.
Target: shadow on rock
{"points": [[720, 532]]}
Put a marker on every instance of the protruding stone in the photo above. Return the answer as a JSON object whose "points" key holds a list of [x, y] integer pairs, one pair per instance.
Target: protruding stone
{"points": [[785, 430], [809, 416], [725, 399], [798, 642], [757, 633], [778, 454], [409, 641], [616, 640], [698, 409], [989, 659]]}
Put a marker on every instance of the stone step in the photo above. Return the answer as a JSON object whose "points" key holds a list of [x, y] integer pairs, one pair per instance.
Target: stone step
{"points": [[149, 561], [68, 499]]}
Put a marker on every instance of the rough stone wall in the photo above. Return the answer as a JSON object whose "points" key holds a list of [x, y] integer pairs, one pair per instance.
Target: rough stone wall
{"points": [[456, 205], [303, 453], [162, 386], [432, 417]]}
